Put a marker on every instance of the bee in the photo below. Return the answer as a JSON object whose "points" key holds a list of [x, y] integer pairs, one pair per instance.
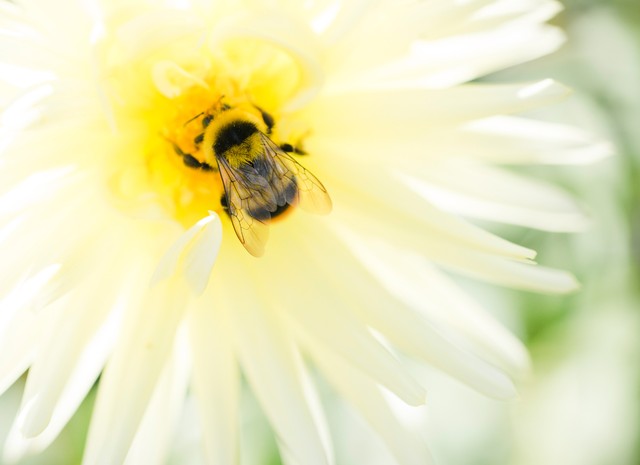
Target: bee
{"points": [[261, 179]]}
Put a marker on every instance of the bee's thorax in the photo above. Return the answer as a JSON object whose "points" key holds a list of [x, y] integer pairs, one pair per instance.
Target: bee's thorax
{"points": [[233, 134]]}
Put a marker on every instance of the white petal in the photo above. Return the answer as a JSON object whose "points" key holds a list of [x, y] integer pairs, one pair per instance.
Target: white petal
{"points": [[193, 254], [156, 431], [362, 197], [148, 32], [331, 325], [416, 338], [534, 278], [340, 18], [71, 356], [462, 58], [28, 54], [480, 191], [499, 139], [18, 346], [63, 25], [22, 295], [352, 341], [365, 396], [406, 112], [329, 312], [411, 279], [505, 139], [73, 351], [269, 362], [317, 411], [413, 334], [135, 366], [386, 32], [370, 221], [76, 387], [215, 381], [354, 283], [522, 13]]}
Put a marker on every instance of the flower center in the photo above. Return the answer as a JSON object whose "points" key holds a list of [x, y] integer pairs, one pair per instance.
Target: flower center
{"points": [[184, 113]]}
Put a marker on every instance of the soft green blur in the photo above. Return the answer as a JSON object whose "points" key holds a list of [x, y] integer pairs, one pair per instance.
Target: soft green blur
{"points": [[581, 405]]}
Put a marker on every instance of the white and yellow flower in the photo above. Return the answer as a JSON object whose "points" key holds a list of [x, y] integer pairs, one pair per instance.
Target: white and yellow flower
{"points": [[119, 262]]}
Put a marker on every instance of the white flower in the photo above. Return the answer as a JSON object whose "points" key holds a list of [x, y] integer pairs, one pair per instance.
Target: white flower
{"points": [[119, 260]]}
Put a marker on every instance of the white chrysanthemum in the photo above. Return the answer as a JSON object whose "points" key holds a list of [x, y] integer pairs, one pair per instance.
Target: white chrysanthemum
{"points": [[118, 260]]}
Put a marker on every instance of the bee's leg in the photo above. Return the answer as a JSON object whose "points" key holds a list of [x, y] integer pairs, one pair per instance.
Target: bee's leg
{"points": [[192, 162], [206, 121], [177, 149], [268, 120], [291, 149], [286, 148], [224, 202], [198, 139]]}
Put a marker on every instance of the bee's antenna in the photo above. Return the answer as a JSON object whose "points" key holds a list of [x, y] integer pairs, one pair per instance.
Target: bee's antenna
{"points": [[195, 117]]}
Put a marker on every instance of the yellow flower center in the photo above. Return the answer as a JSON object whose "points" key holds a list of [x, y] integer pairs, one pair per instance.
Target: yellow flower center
{"points": [[162, 107]]}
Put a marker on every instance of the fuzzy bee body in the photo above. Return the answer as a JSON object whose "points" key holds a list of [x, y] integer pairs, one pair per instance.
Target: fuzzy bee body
{"points": [[261, 180]]}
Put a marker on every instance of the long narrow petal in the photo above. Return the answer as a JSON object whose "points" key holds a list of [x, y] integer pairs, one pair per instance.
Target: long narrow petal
{"points": [[479, 191], [334, 327], [352, 341], [410, 278], [459, 59], [134, 367], [387, 30], [18, 348], [192, 256], [513, 140], [215, 382], [57, 410], [354, 279], [153, 439], [78, 341], [269, 362], [365, 396], [498, 139], [361, 195], [407, 112]]}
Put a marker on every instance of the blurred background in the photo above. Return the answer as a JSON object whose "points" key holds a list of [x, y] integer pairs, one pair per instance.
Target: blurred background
{"points": [[581, 404]]}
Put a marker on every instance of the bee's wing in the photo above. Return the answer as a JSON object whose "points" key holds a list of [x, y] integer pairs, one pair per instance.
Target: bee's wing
{"points": [[247, 191], [310, 194]]}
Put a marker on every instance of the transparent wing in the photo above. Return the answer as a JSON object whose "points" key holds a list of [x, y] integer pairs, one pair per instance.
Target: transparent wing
{"points": [[285, 171], [257, 189], [249, 200]]}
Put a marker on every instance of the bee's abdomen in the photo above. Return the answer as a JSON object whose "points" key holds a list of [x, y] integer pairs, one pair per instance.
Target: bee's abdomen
{"points": [[233, 134], [285, 199]]}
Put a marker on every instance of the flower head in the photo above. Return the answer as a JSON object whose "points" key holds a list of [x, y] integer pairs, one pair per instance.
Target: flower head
{"points": [[147, 142]]}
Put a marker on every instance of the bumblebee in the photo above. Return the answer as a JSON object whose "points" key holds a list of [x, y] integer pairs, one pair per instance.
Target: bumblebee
{"points": [[261, 179]]}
